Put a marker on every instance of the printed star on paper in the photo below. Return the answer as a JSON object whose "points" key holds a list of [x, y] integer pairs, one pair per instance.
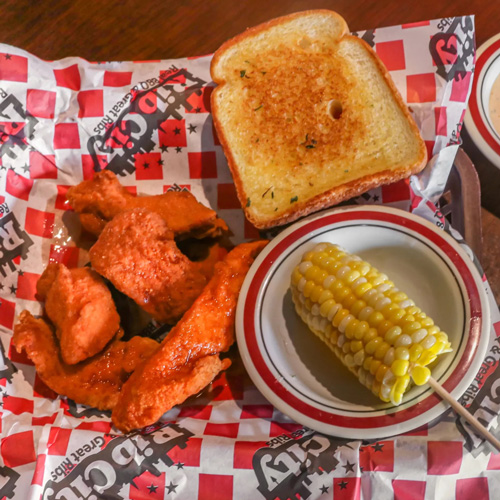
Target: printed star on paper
{"points": [[8, 56], [177, 130], [152, 488], [164, 149], [3, 167], [198, 110], [343, 485], [376, 197], [26, 168], [360, 469], [20, 272], [378, 447], [324, 489], [192, 128], [32, 136], [179, 465], [146, 165], [171, 488], [1, 288], [160, 162], [348, 467], [178, 149], [13, 289]]}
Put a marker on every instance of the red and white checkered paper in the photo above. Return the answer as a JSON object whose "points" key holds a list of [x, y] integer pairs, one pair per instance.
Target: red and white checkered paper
{"points": [[229, 442]]}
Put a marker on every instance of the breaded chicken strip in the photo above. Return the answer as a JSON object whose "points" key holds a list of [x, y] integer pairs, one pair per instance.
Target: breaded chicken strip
{"points": [[188, 358], [81, 308], [94, 382], [100, 199], [137, 253]]}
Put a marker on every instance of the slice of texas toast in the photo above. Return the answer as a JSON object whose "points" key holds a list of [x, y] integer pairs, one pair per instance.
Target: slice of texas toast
{"points": [[308, 116]]}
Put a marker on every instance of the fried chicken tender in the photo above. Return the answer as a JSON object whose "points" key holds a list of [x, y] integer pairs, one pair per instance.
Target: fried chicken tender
{"points": [[188, 358], [95, 382], [100, 199], [81, 308], [137, 253]]}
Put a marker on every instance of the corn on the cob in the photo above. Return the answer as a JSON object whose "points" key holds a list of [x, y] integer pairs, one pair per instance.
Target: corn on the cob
{"points": [[372, 327]]}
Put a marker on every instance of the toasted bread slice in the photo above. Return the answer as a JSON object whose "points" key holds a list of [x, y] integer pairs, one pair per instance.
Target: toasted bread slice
{"points": [[308, 116]]}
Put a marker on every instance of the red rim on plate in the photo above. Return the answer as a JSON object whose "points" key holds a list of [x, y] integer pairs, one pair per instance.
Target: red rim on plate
{"points": [[250, 297]]}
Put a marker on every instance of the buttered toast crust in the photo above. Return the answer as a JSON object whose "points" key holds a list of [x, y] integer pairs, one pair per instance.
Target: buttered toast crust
{"points": [[308, 116]]}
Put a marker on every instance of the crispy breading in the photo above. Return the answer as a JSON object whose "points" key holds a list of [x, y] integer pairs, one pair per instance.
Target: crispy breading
{"points": [[100, 199], [188, 357], [137, 253], [94, 382], [81, 308]]}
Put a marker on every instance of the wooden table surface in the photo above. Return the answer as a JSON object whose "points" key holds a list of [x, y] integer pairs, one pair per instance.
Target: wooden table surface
{"points": [[146, 29]]}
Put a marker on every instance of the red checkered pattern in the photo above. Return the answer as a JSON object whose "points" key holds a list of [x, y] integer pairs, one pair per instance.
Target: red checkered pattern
{"points": [[18, 449], [444, 457], [117, 78], [41, 103], [13, 68], [231, 422], [39, 223], [68, 77]]}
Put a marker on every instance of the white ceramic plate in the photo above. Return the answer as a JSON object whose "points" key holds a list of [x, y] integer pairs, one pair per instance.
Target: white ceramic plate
{"points": [[477, 118], [299, 375]]}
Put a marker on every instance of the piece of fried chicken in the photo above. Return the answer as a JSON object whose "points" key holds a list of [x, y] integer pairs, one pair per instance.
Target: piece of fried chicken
{"points": [[188, 359], [137, 253], [81, 308], [95, 382], [100, 199]]}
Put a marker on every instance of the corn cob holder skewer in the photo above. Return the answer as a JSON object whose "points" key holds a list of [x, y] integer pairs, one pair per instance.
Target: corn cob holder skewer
{"points": [[377, 332]]}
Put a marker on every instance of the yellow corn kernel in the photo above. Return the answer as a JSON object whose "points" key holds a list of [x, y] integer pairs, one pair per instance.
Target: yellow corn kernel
{"points": [[356, 345], [308, 256], [308, 304], [392, 334], [408, 318], [362, 328], [315, 293], [325, 307], [384, 326], [438, 347], [376, 387], [362, 288], [339, 317], [308, 287], [400, 367], [374, 366], [409, 328], [351, 276], [296, 275], [357, 307], [362, 267], [382, 350], [415, 351], [396, 315], [319, 258], [375, 318], [399, 296], [381, 371], [325, 295], [348, 301], [433, 330], [332, 267], [341, 293], [402, 384], [311, 273], [350, 329], [372, 345], [367, 362], [346, 347], [370, 335], [420, 374], [402, 353], [427, 358], [426, 322]]}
